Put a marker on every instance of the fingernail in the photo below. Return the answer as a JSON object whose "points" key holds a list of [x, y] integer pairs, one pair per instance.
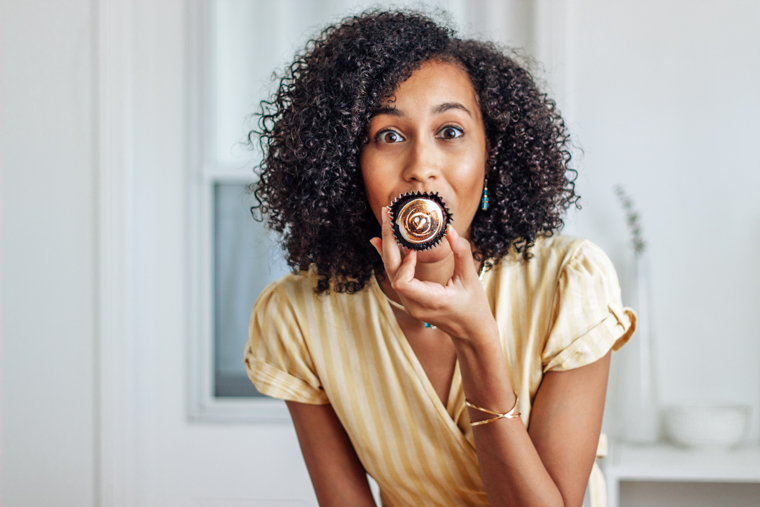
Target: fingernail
{"points": [[385, 214]]}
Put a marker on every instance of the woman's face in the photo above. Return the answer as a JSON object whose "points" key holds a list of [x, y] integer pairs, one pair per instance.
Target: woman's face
{"points": [[431, 139]]}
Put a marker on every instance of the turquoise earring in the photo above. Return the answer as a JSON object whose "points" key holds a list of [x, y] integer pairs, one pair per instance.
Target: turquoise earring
{"points": [[484, 199]]}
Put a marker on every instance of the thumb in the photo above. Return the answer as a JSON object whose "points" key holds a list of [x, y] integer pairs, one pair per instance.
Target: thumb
{"points": [[378, 244]]}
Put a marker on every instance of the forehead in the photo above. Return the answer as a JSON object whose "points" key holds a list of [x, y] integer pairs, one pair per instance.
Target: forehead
{"points": [[436, 82]]}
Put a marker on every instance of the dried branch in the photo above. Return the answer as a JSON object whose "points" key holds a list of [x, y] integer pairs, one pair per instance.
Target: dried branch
{"points": [[633, 219]]}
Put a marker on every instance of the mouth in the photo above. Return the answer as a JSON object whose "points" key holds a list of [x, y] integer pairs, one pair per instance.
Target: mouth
{"points": [[420, 220]]}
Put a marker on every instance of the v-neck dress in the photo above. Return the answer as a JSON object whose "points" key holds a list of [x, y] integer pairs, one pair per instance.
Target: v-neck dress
{"points": [[558, 311]]}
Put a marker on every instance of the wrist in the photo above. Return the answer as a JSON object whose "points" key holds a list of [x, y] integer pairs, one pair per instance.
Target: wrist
{"points": [[485, 374], [482, 332], [483, 415]]}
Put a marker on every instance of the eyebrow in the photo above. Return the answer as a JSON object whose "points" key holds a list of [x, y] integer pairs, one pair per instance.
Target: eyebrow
{"points": [[440, 108]]}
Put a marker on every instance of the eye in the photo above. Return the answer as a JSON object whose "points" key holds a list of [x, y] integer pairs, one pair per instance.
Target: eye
{"points": [[388, 137], [450, 132]]}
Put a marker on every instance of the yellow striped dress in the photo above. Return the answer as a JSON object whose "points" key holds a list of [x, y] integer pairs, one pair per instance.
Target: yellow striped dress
{"points": [[558, 311]]}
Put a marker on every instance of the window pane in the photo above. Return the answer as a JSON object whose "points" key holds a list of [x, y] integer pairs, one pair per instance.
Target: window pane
{"points": [[246, 258], [251, 39]]}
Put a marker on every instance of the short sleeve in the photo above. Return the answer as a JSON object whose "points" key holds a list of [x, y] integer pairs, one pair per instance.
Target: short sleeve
{"points": [[588, 316], [277, 358]]}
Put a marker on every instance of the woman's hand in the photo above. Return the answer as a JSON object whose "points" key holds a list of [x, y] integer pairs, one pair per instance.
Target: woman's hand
{"points": [[460, 308]]}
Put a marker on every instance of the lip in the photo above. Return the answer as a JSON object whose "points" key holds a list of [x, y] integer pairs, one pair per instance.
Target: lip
{"points": [[441, 194]]}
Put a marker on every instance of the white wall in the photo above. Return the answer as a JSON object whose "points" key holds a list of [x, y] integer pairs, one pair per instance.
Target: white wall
{"points": [[47, 408], [663, 98], [688, 494]]}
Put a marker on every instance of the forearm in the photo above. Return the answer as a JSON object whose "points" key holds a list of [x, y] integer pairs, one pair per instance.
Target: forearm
{"points": [[512, 470], [338, 477]]}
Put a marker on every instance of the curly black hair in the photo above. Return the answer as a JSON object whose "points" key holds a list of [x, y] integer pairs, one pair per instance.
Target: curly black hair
{"points": [[314, 128]]}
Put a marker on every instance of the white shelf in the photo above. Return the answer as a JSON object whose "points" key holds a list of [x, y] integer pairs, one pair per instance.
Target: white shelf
{"points": [[667, 463]]}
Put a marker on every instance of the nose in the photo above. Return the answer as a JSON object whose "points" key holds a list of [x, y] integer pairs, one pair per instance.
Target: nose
{"points": [[423, 163]]}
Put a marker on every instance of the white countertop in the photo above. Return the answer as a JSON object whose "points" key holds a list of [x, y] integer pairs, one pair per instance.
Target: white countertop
{"points": [[665, 462]]}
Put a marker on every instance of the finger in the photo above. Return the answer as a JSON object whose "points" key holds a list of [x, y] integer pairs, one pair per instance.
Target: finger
{"points": [[405, 272], [464, 266], [413, 290], [378, 244], [391, 252], [419, 295]]}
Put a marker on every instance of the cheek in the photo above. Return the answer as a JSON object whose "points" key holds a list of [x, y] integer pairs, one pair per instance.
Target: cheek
{"points": [[471, 190], [475, 177], [371, 188], [375, 173]]}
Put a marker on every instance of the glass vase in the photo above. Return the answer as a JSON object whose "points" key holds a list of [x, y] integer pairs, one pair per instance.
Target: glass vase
{"points": [[639, 402]]}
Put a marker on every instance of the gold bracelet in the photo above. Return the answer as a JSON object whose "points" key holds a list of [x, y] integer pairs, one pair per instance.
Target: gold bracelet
{"points": [[512, 414]]}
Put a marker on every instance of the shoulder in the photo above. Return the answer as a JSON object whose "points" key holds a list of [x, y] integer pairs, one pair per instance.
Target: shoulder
{"points": [[585, 262], [292, 281], [295, 295], [289, 285], [580, 266], [565, 249], [562, 271], [277, 355], [285, 295], [588, 316], [552, 256]]}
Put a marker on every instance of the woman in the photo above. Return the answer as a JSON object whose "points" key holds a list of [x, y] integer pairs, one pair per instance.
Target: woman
{"points": [[470, 373]]}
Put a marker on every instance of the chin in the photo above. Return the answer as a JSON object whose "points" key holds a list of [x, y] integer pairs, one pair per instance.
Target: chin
{"points": [[436, 254]]}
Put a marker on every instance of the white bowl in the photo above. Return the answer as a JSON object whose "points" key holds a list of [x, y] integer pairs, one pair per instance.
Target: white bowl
{"points": [[712, 425]]}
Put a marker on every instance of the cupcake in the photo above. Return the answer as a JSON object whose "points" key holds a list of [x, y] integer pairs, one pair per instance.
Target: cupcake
{"points": [[419, 220]]}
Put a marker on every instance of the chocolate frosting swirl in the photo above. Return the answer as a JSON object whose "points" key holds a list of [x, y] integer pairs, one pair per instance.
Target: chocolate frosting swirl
{"points": [[419, 220]]}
